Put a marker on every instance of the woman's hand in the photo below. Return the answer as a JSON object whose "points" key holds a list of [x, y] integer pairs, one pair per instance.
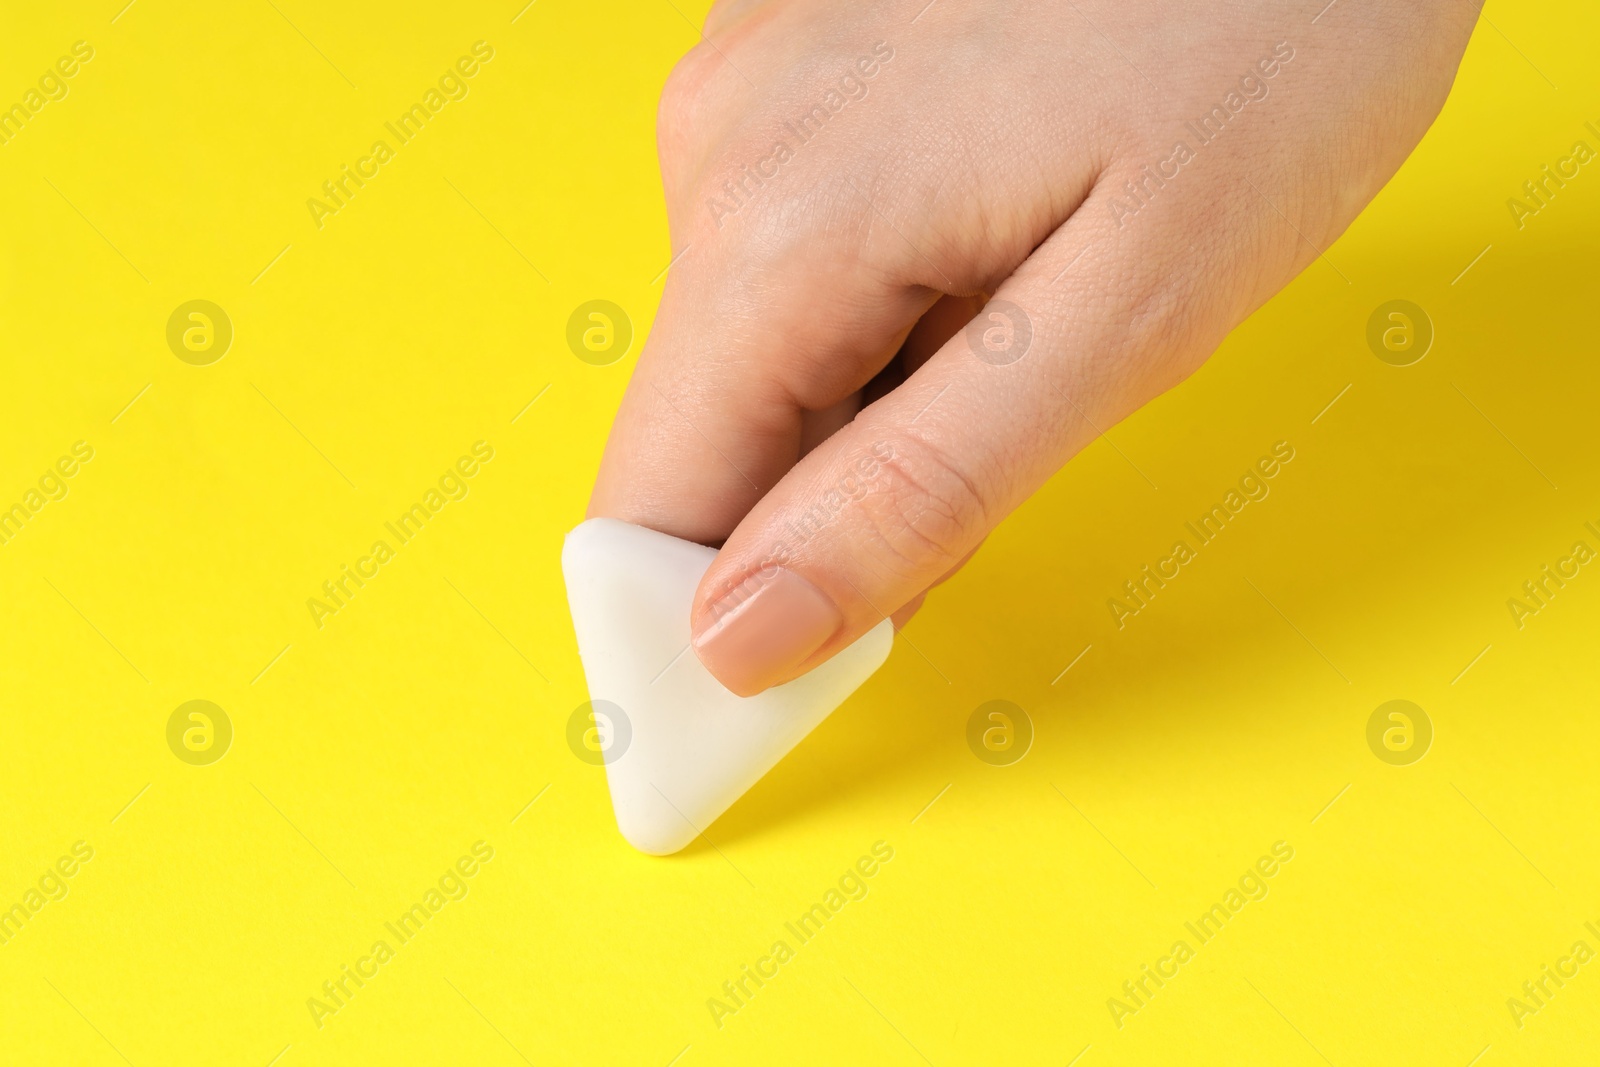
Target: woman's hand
{"points": [[928, 253]]}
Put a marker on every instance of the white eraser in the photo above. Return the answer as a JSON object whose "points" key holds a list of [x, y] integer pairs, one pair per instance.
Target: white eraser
{"points": [[683, 748]]}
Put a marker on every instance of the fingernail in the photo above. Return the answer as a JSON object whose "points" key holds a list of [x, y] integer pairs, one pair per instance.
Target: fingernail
{"points": [[764, 629]]}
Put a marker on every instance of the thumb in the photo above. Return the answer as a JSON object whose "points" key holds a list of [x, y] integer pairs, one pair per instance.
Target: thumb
{"points": [[1085, 331]]}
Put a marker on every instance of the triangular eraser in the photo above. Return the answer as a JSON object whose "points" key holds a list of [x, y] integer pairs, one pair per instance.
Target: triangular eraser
{"points": [[684, 748]]}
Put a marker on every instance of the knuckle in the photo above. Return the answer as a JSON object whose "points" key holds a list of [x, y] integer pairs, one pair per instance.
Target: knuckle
{"points": [[923, 513], [684, 96], [1150, 316], [1158, 316]]}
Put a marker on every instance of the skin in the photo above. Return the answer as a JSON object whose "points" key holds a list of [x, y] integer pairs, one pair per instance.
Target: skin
{"points": [[824, 314]]}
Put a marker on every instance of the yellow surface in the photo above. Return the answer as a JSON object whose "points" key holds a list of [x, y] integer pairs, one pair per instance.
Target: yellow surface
{"points": [[372, 753]]}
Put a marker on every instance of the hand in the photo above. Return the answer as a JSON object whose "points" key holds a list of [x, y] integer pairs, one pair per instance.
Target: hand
{"points": [[1109, 186]]}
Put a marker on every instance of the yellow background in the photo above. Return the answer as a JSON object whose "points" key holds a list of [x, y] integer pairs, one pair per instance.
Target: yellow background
{"points": [[371, 753]]}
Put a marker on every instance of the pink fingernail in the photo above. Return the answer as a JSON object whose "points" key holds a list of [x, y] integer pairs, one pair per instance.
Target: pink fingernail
{"points": [[764, 629]]}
